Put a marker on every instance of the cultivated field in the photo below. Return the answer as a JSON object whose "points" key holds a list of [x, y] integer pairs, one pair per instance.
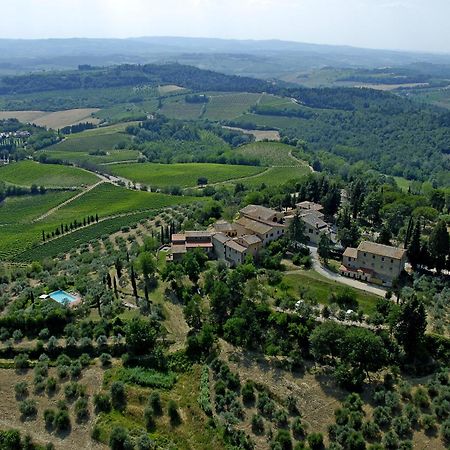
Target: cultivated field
{"points": [[274, 175], [111, 156], [105, 200], [229, 106], [169, 89], [260, 135], [58, 119], [27, 173], [184, 175], [177, 108], [89, 142], [270, 153]]}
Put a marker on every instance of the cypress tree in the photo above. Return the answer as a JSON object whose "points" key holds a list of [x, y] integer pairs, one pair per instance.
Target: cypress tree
{"points": [[133, 283], [115, 287], [409, 230], [439, 245], [43, 235], [413, 249], [96, 218]]}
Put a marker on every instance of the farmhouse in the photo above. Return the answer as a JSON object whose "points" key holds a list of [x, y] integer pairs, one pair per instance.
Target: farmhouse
{"points": [[256, 227], [188, 241], [375, 263]]}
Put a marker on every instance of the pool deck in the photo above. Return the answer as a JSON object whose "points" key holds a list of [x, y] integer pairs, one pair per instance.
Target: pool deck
{"points": [[75, 302]]}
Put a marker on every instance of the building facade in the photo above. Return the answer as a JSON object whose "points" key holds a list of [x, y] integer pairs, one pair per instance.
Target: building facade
{"points": [[374, 263]]}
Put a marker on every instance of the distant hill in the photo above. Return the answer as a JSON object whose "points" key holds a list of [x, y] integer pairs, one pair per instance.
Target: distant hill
{"points": [[263, 59]]}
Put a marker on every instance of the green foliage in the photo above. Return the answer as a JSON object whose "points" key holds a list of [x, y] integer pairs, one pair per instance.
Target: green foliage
{"points": [[145, 377], [204, 398], [172, 411]]}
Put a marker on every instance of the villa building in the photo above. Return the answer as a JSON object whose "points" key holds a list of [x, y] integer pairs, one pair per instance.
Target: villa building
{"points": [[190, 240], [375, 263]]}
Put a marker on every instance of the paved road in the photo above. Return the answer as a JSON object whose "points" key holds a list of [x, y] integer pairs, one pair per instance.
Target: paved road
{"points": [[341, 279]]}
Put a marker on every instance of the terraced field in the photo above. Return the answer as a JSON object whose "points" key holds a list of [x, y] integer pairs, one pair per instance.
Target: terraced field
{"points": [[27, 173], [183, 175], [105, 200]]}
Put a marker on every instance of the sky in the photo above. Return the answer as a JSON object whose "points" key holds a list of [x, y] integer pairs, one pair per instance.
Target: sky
{"points": [[420, 25]]}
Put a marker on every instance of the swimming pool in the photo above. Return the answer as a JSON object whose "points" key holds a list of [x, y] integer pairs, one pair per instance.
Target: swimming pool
{"points": [[62, 297]]}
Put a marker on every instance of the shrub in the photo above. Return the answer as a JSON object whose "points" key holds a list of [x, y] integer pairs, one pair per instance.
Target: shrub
{"points": [[154, 402], [429, 423], [62, 420], [144, 442], [81, 409], [51, 385], [283, 438], [315, 441], [102, 402], [402, 426], [75, 369], [248, 392], [72, 391], [21, 389], [149, 418], [172, 411], [390, 440], [298, 429], [105, 359], [21, 361], [85, 360], [382, 416], [28, 408], [63, 372], [119, 439], [17, 335], [257, 424], [49, 418], [371, 431], [118, 399], [281, 417], [445, 432], [421, 398]]}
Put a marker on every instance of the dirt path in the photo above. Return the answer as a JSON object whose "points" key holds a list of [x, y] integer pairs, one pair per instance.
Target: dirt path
{"points": [[70, 200]]}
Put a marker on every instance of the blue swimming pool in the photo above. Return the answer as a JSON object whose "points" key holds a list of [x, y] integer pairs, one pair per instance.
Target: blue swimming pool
{"points": [[62, 297]]}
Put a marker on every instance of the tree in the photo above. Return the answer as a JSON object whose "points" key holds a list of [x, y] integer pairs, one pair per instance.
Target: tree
{"points": [[119, 439], [118, 398], [324, 248], [193, 313], [141, 335], [146, 263], [439, 245], [411, 325], [296, 230], [414, 247]]}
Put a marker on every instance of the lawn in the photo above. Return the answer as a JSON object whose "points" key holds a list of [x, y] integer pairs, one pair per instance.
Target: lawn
{"points": [[27, 173], [275, 176], [184, 175], [269, 153], [228, 106], [320, 288]]}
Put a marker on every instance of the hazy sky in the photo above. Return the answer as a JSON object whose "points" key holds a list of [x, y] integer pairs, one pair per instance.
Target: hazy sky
{"points": [[394, 24]]}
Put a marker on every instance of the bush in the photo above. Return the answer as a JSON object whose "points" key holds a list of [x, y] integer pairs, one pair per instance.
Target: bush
{"points": [[81, 409], [283, 439], [445, 432], [51, 385], [21, 361], [248, 392], [172, 411], [75, 369], [154, 402], [119, 439], [105, 359], [402, 426], [382, 416], [315, 441], [72, 391], [21, 389], [62, 420], [85, 360], [371, 431], [429, 423], [298, 429], [149, 418], [257, 424], [118, 398], [390, 441], [102, 402], [49, 418], [421, 398], [28, 408]]}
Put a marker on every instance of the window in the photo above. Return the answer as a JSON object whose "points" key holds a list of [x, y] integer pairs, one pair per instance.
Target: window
{"points": [[392, 261], [373, 256], [365, 254], [382, 258]]}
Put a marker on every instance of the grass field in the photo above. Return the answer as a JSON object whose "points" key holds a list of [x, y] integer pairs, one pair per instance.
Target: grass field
{"points": [[269, 153], [15, 210], [177, 108], [402, 183], [87, 142], [320, 288], [184, 175], [105, 200], [58, 119], [77, 157], [26, 173], [275, 176], [229, 106]]}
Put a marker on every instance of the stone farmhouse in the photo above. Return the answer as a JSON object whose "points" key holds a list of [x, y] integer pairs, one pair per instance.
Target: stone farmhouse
{"points": [[375, 263], [255, 228]]}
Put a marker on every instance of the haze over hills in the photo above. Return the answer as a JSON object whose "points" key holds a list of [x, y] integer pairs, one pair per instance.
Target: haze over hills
{"points": [[266, 59]]}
